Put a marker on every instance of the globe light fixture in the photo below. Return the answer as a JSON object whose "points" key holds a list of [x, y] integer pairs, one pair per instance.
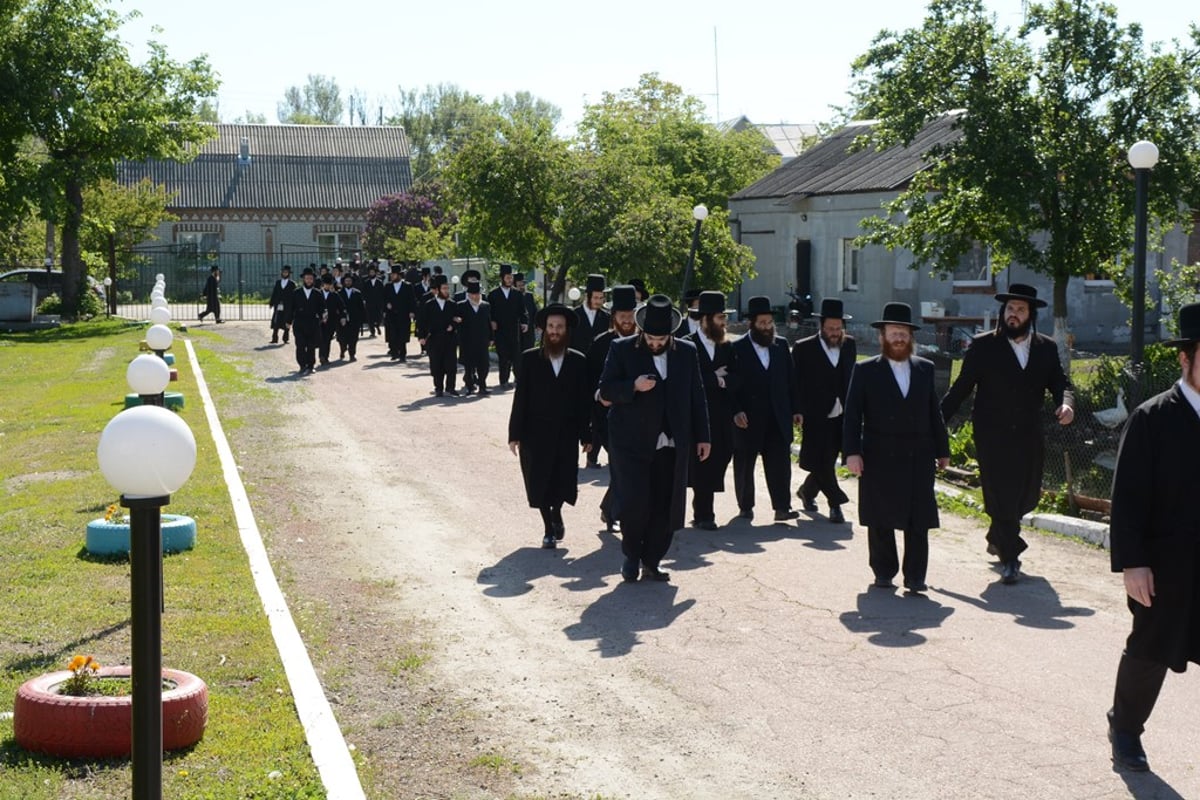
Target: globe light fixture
{"points": [[699, 213], [158, 302], [148, 376], [160, 315], [573, 294], [159, 338], [454, 279], [107, 281]]}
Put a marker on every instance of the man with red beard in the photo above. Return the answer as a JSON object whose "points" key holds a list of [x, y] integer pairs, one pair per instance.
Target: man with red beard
{"points": [[720, 378], [893, 437], [551, 410], [624, 302], [1011, 368]]}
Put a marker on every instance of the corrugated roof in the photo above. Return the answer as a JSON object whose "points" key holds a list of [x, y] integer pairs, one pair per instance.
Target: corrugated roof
{"points": [[829, 168], [324, 167]]}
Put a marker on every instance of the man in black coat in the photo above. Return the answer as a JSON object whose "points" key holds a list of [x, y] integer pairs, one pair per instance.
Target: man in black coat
{"points": [[550, 413], [622, 323], [474, 320], [355, 306], [212, 294], [469, 276], [1011, 368], [508, 322], [308, 308], [590, 317], [282, 293], [823, 364], [528, 337], [691, 320], [720, 377], [332, 319], [373, 298], [893, 439], [399, 306], [656, 421], [1155, 536], [439, 336], [765, 406]]}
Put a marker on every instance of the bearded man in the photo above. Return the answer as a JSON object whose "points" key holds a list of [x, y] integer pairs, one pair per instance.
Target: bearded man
{"points": [[438, 334], [823, 364], [718, 372], [893, 436], [622, 323], [1011, 368], [551, 411]]}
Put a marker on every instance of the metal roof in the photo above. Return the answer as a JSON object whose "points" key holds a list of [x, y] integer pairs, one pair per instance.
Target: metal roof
{"points": [[829, 167], [319, 167]]}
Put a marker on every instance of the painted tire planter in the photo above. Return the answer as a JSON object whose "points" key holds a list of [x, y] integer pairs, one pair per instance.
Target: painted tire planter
{"points": [[173, 400], [112, 538], [45, 721]]}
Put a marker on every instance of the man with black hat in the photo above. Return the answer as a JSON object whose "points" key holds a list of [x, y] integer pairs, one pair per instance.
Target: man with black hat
{"points": [[658, 418], [766, 406], [691, 322], [399, 303], [550, 413], [439, 336], [1155, 536], [591, 316], [528, 338], [212, 294], [823, 364], [717, 371], [373, 298], [1011, 368], [508, 322], [893, 438], [308, 307], [622, 323], [467, 276], [282, 293], [639, 286], [474, 321], [333, 318], [355, 312]]}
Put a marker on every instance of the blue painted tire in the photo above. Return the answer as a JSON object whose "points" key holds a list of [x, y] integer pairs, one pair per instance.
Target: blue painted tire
{"points": [[112, 538], [169, 358]]}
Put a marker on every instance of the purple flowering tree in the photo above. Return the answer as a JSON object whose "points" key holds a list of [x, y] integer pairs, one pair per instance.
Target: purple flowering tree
{"points": [[410, 227]]}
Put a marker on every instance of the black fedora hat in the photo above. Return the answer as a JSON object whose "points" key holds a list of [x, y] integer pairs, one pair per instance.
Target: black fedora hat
{"points": [[658, 317], [438, 280], [473, 287], [506, 269], [471, 275], [1189, 326], [690, 295], [518, 277], [896, 314], [555, 309], [624, 298], [1021, 291], [308, 271], [595, 283], [711, 303], [758, 305], [831, 308]]}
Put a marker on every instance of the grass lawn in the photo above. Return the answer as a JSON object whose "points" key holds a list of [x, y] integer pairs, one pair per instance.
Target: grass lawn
{"points": [[61, 388]]}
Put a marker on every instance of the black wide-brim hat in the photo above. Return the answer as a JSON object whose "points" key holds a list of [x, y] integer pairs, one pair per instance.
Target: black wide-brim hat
{"points": [[658, 317], [438, 280], [471, 275], [831, 308], [308, 271], [758, 305], [595, 283], [1021, 291], [1189, 326], [624, 298], [555, 309], [711, 302], [896, 314]]}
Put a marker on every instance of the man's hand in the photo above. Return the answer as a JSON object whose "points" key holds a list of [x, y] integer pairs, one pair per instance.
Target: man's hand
{"points": [[1139, 584], [702, 450], [943, 462], [1065, 414], [855, 465], [457, 320], [645, 383], [797, 419], [524, 328], [514, 446], [586, 447], [495, 327], [740, 420], [421, 342]]}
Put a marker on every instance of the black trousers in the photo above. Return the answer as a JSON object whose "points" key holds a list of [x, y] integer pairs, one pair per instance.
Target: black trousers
{"points": [[885, 563], [1005, 536], [306, 346], [1138, 684], [702, 505], [328, 332], [646, 485], [507, 350], [823, 478], [476, 367], [443, 362], [347, 338], [777, 464]]}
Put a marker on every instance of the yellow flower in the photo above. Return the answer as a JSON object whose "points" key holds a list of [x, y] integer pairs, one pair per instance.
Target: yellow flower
{"points": [[76, 664]]}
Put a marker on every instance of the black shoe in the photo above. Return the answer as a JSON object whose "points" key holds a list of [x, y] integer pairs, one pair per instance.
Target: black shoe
{"points": [[354, 358], [438, 393], [484, 390], [1127, 752], [1010, 572], [705, 524], [915, 588], [835, 514], [746, 513], [560, 530], [650, 573], [609, 523], [548, 542], [786, 514], [453, 393], [882, 583], [808, 503], [629, 570], [285, 338], [991, 550], [220, 321], [274, 340], [592, 464]]}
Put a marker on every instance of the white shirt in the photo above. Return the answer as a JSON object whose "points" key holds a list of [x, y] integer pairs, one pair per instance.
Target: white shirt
{"points": [[709, 345], [505, 290], [834, 354], [903, 372], [1022, 350], [556, 363], [764, 354], [591, 316], [693, 325], [660, 364], [1191, 394], [441, 303]]}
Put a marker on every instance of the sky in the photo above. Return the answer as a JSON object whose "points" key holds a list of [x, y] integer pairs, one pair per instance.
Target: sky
{"points": [[771, 60]]}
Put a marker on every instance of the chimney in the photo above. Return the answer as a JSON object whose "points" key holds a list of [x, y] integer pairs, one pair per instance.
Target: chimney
{"points": [[244, 151]]}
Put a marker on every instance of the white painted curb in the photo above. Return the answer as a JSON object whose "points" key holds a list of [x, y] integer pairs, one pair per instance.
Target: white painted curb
{"points": [[325, 740]]}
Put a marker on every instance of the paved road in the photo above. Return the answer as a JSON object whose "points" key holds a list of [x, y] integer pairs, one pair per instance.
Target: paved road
{"points": [[765, 669]]}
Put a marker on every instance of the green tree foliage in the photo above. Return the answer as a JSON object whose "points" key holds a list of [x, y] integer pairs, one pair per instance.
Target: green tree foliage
{"points": [[434, 119], [118, 217], [86, 106], [318, 102], [1039, 174], [410, 227]]}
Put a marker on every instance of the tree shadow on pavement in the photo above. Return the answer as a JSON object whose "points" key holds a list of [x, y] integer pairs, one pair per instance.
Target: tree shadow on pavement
{"points": [[615, 619], [1032, 602], [893, 619], [1147, 786]]}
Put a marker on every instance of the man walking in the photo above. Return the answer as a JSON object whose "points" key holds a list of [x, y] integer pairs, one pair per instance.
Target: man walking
{"points": [[622, 323], [399, 305], [332, 318], [212, 294], [591, 318], [893, 438], [508, 321], [765, 409], [550, 413], [823, 364], [308, 304], [528, 337], [474, 320], [438, 335], [657, 420], [1010, 369], [373, 298], [716, 356], [282, 294], [355, 311]]}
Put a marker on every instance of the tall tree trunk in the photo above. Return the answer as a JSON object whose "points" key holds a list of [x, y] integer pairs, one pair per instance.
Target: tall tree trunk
{"points": [[72, 264], [1061, 331]]}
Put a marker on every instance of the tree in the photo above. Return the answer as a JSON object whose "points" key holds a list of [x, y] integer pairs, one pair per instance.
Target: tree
{"points": [[206, 111], [119, 217], [411, 226], [318, 102], [251, 118], [1039, 173], [86, 106], [434, 120]]}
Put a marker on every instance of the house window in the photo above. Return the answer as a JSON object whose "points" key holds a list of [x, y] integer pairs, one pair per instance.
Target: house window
{"points": [[337, 245], [974, 267], [197, 244], [851, 256]]}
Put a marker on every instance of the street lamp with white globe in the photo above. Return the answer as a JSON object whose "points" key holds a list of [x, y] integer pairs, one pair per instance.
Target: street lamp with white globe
{"points": [[699, 213], [1143, 156], [159, 339], [149, 376], [160, 315]]}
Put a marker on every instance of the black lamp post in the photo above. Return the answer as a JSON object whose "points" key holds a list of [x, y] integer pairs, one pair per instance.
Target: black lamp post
{"points": [[699, 213], [1143, 156]]}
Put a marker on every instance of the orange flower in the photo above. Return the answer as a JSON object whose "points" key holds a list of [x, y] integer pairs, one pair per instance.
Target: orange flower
{"points": [[77, 663]]}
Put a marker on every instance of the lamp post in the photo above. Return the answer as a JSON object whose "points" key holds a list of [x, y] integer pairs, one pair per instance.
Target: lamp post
{"points": [[110, 305], [573, 294], [146, 453], [159, 338], [1143, 156], [699, 213]]}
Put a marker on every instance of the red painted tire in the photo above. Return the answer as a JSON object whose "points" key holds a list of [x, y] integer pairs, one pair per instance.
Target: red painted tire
{"points": [[102, 727]]}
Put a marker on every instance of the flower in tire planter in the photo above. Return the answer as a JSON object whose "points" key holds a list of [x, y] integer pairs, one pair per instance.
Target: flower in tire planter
{"points": [[45, 721], [110, 536]]}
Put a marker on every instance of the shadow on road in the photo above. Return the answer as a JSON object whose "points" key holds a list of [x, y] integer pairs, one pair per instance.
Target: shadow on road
{"points": [[740, 537], [893, 619], [821, 534], [616, 618], [1147, 786], [1033, 602], [514, 574]]}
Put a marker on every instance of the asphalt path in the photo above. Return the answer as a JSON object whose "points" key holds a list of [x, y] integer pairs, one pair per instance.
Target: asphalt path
{"points": [[766, 668]]}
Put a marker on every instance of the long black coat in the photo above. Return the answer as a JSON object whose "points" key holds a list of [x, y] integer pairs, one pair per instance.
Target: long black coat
{"points": [[308, 310], [1007, 417], [1156, 523], [766, 396], [399, 306], [709, 475], [528, 336], [355, 304], [509, 314], [283, 295], [634, 425], [900, 439], [550, 418], [436, 323], [212, 294], [474, 332], [820, 384], [597, 354], [583, 334]]}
